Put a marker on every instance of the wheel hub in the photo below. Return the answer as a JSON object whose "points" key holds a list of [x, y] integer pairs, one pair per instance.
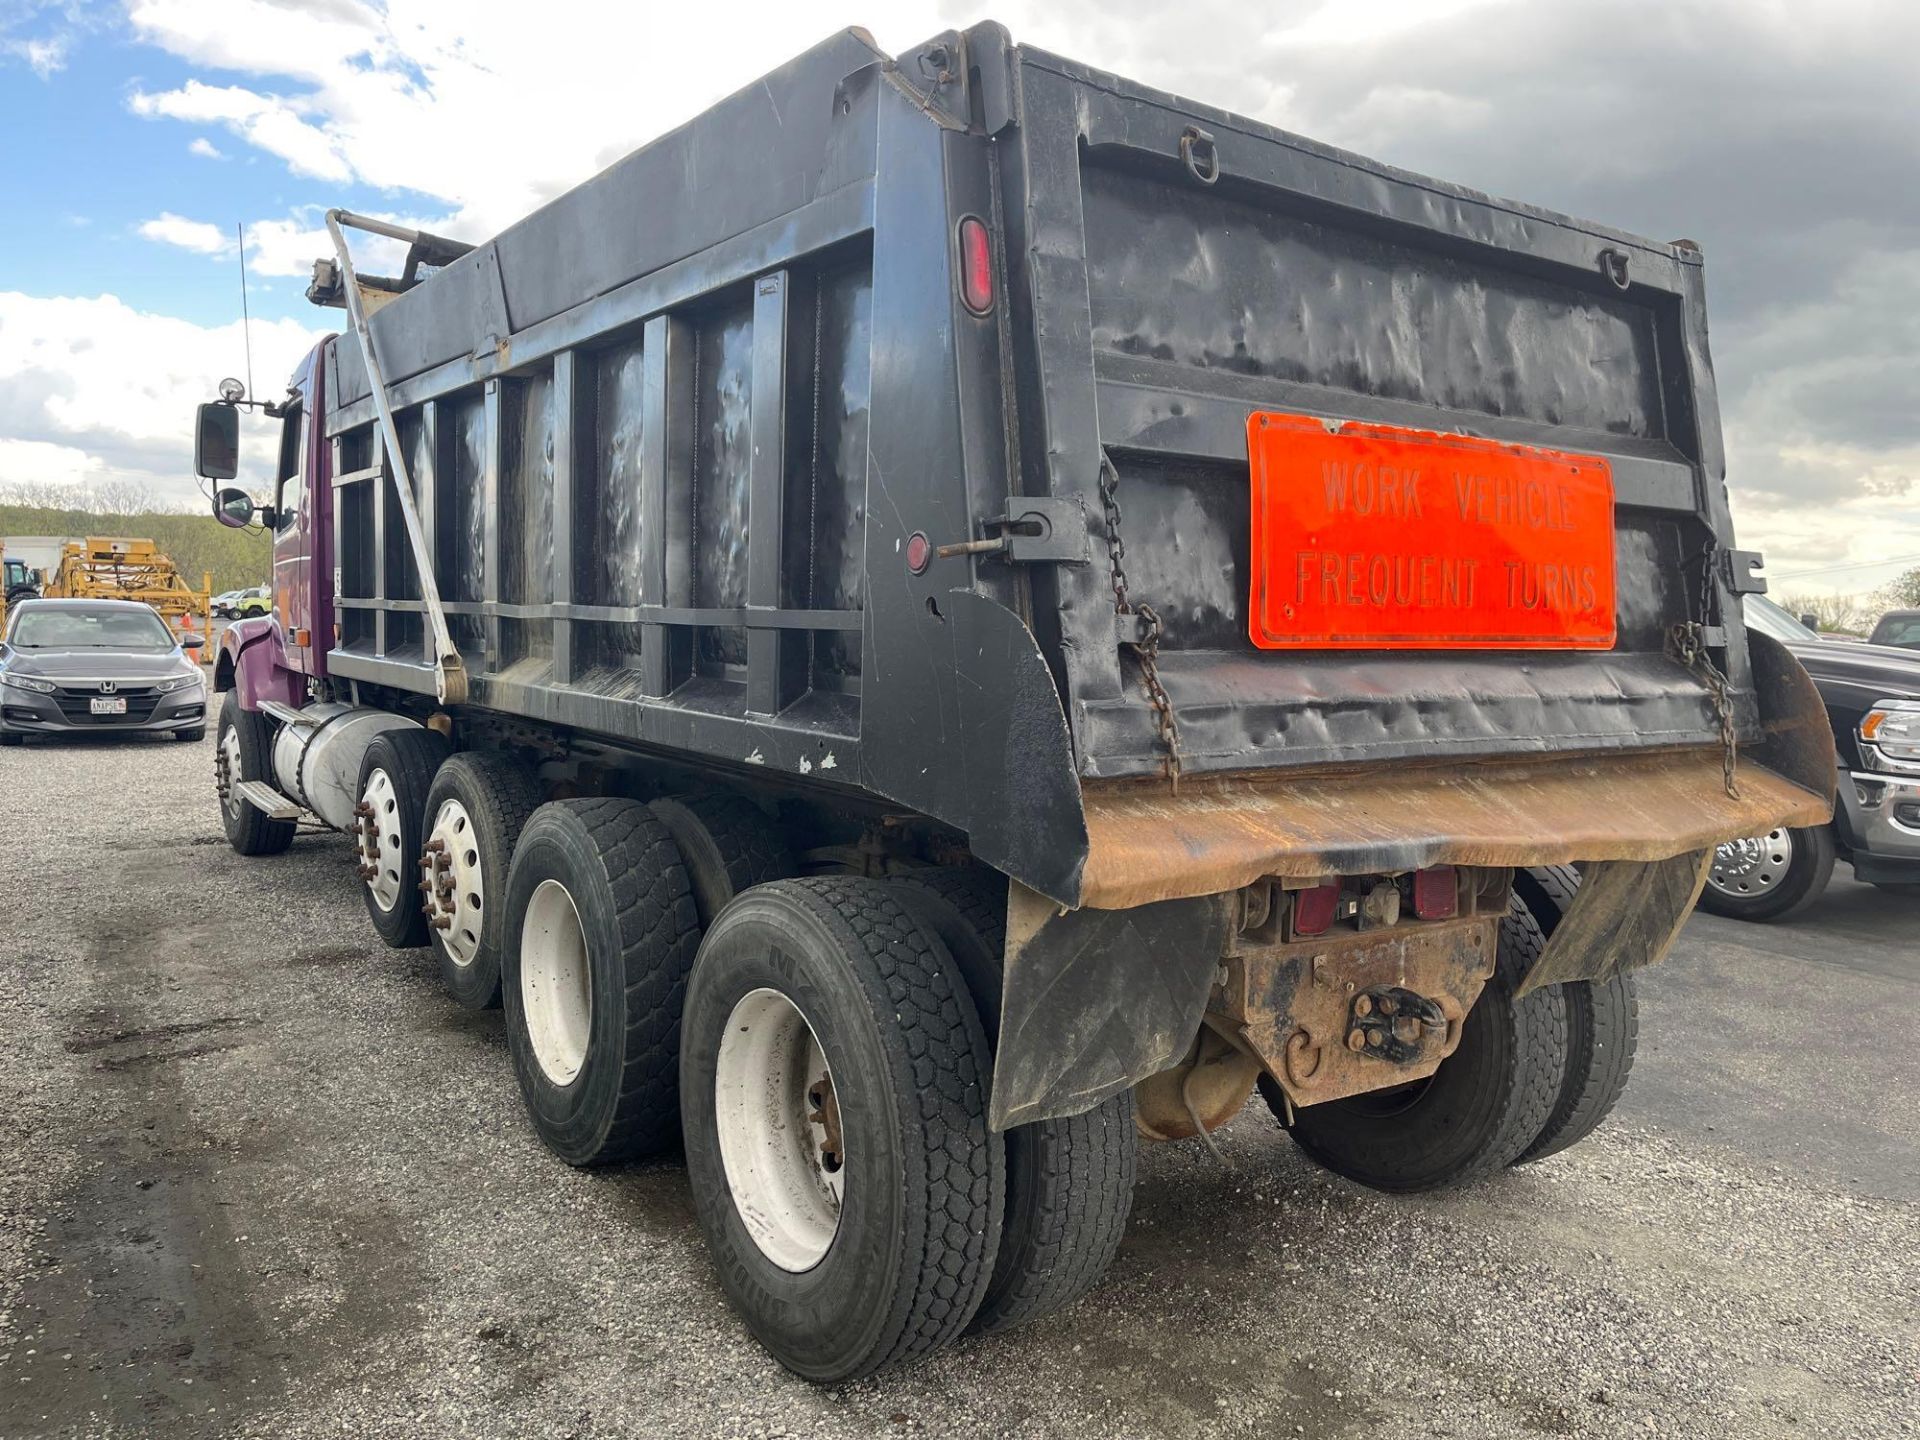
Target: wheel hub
{"points": [[779, 1126], [381, 863], [227, 770], [556, 990], [452, 887], [1752, 866]]}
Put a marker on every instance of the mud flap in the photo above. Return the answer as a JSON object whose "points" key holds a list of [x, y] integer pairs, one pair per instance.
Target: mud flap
{"points": [[1097, 1000], [1629, 912], [1626, 915]]}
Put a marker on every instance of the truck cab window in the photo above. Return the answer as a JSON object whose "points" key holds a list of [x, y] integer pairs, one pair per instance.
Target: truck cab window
{"points": [[292, 480]]}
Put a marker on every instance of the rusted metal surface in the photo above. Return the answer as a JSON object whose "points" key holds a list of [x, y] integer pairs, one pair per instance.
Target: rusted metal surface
{"points": [[1145, 844], [1200, 1094], [823, 1109], [1626, 916], [1344, 1013]]}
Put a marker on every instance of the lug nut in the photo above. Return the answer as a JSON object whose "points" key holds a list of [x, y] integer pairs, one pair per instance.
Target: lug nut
{"points": [[1363, 1006], [1356, 1039]]}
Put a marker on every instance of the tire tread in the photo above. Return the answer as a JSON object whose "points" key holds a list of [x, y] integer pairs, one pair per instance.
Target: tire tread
{"points": [[1069, 1181], [953, 1220], [1603, 1026]]}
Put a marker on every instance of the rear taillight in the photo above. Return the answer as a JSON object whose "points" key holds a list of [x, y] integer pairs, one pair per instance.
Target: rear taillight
{"points": [[976, 266], [1436, 893], [1313, 909]]}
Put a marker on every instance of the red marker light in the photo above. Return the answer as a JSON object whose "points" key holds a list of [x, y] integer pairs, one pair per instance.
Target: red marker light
{"points": [[1436, 894], [1313, 909], [976, 266], [919, 553]]}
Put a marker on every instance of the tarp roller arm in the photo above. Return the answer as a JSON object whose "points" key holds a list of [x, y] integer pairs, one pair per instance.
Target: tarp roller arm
{"points": [[450, 672]]}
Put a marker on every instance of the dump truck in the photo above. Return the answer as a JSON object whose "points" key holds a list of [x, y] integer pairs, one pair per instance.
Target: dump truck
{"points": [[958, 612], [105, 567]]}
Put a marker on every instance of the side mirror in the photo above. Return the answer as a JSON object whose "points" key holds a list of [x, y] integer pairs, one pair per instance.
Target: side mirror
{"points": [[232, 506], [1812, 622], [216, 441], [192, 642]]}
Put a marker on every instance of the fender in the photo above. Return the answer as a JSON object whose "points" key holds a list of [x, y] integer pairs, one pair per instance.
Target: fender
{"points": [[253, 663]]}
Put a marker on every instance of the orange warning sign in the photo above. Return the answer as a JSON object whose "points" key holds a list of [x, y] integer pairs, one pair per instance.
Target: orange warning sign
{"points": [[1377, 537]]}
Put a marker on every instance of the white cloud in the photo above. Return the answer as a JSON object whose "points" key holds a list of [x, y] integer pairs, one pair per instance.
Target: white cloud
{"points": [[45, 57], [198, 236], [267, 121], [472, 105], [206, 149], [92, 389], [41, 462]]}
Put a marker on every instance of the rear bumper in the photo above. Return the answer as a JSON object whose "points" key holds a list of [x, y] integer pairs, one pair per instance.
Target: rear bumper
{"points": [[1146, 844], [1880, 820], [25, 712]]}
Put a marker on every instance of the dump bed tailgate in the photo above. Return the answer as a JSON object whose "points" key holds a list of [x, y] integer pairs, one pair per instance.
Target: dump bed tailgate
{"points": [[1184, 271]]}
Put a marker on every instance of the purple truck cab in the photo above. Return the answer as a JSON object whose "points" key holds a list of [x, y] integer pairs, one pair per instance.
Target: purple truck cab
{"points": [[272, 657]]}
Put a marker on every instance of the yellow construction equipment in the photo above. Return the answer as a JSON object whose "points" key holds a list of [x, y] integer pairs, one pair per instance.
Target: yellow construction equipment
{"points": [[110, 568]]}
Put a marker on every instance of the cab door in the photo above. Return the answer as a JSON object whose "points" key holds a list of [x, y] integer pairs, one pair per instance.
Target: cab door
{"points": [[296, 529]]}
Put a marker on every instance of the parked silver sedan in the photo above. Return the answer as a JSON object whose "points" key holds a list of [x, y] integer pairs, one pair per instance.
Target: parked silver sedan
{"points": [[89, 666]]}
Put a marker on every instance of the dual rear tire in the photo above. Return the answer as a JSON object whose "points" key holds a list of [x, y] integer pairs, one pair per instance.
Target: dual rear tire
{"points": [[1533, 1075]]}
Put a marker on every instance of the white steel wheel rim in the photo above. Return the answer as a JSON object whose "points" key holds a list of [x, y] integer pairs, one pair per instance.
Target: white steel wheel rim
{"points": [[466, 909], [556, 989], [230, 763], [390, 867], [786, 1190], [1752, 867]]}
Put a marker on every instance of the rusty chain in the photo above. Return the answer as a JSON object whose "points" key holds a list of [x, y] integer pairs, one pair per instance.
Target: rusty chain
{"points": [[1686, 643], [1147, 648]]}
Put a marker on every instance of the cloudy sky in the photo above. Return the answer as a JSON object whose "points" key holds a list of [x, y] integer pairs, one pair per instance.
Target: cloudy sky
{"points": [[1783, 138]]}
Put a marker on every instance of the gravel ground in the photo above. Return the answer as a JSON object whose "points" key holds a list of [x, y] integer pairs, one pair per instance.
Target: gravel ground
{"points": [[258, 1178]]}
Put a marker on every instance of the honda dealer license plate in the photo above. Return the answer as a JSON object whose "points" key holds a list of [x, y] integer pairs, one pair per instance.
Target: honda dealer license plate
{"points": [[1377, 537], [115, 706]]}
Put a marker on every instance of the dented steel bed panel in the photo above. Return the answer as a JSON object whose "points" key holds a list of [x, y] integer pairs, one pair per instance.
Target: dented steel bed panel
{"points": [[1165, 301]]}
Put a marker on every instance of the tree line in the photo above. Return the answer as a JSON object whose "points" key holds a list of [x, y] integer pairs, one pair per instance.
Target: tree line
{"points": [[196, 543]]}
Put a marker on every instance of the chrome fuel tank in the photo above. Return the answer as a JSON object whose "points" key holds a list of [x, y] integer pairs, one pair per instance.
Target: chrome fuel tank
{"points": [[317, 761]]}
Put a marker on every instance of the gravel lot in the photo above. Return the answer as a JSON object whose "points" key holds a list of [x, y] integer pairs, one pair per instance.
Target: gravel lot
{"points": [[257, 1177]]}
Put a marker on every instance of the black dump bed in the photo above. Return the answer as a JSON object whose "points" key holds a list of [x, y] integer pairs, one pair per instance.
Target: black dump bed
{"points": [[674, 437]]}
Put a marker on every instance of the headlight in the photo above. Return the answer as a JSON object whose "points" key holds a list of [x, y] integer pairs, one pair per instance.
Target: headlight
{"points": [[178, 682], [1890, 735], [27, 682]]}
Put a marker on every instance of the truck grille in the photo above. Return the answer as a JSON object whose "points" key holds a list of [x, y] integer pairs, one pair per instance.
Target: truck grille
{"points": [[76, 704]]}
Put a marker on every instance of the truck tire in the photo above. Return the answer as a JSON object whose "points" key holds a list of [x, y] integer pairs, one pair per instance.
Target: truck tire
{"points": [[727, 843], [1603, 1025], [395, 775], [1769, 877], [1069, 1182], [476, 807], [1476, 1113], [245, 752], [823, 1008], [601, 932]]}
